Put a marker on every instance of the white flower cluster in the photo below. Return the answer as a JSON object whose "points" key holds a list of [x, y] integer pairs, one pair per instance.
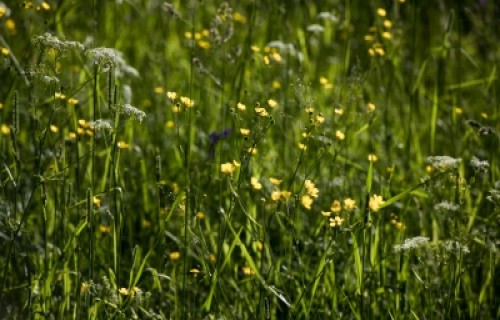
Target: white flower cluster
{"points": [[100, 124], [412, 244], [444, 162], [446, 206], [455, 247], [49, 79], [48, 41], [132, 112], [478, 165], [110, 57]]}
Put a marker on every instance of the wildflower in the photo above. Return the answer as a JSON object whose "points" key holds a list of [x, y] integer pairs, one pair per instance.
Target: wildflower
{"points": [[188, 35], [446, 206], [381, 12], [187, 102], [369, 37], [326, 213], [275, 195], [276, 57], [97, 202], [122, 145], [309, 110], [306, 201], [255, 183], [84, 287], [372, 157], [172, 95], [272, 103], [104, 229], [276, 84], [376, 202], [227, 168], [380, 51], [255, 48], [336, 222], [247, 271], [53, 128], [387, 35], [478, 165], [349, 204], [275, 181], [245, 132], [444, 162], [146, 223], [203, 44], [261, 112], [315, 28], [388, 24], [458, 110], [319, 119], [200, 215], [5, 51], [311, 188], [159, 90], [238, 17], [241, 106], [412, 244], [194, 270], [484, 115], [124, 292], [132, 112], [106, 57], [339, 135], [259, 246], [253, 151], [10, 25], [339, 111], [59, 95], [336, 207], [302, 146], [4, 129], [212, 258], [73, 101], [175, 255], [285, 195], [100, 124]]}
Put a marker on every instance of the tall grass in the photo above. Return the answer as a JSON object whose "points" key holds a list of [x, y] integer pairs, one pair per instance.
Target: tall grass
{"points": [[255, 159]]}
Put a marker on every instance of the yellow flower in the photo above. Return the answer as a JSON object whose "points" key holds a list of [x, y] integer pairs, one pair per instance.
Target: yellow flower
{"points": [[261, 112], [387, 35], [339, 111], [310, 110], [326, 213], [381, 12], [241, 106], [194, 270], [302, 146], [170, 124], [187, 102], [200, 215], [388, 24], [255, 183], [336, 207], [175, 255], [376, 202], [10, 25], [285, 195], [159, 90], [306, 201], [104, 229], [276, 84], [319, 119], [275, 181], [122, 145], [311, 188], [227, 168], [255, 48], [172, 95], [349, 204], [275, 195], [5, 51], [5, 129], [339, 135], [204, 44], [238, 17], [371, 106], [272, 103], [97, 202], [369, 38], [73, 101], [245, 132], [124, 291], [336, 222], [84, 287], [372, 157], [53, 128]]}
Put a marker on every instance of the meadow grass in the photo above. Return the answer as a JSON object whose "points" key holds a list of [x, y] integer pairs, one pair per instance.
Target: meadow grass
{"points": [[249, 159]]}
